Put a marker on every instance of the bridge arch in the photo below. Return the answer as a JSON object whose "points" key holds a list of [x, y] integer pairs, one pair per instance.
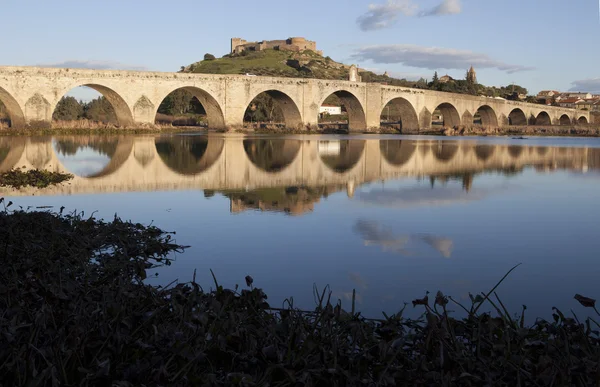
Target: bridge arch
{"points": [[565, 120], [341, 155], [357, 118], [446, 115], [582, 120], [123, 112], [214, 113], [543, 118], [189, 154], [290, 112], [271, 155], [487, 115], [13, 109], [397, 152], [399, 113], [517, 117]]}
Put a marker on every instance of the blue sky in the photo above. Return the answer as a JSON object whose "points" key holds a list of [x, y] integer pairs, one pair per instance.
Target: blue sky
{"points": [[550, 44]]}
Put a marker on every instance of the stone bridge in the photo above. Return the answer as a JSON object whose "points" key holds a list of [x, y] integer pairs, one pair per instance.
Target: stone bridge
{"points": [[236, 162], [32, 93]]}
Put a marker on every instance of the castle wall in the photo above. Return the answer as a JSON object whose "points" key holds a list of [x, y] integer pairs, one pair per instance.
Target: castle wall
{"points": [[292, 44]]}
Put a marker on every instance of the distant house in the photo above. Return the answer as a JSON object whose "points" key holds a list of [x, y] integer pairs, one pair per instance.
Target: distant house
{"points": [[582, 95], [446, 78], [569, 103], [546, 97], [547, 93], [592, 104], [330, 109]]}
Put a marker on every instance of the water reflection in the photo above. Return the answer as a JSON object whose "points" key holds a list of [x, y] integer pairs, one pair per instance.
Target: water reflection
{"points": [[341, 155], [288, 200], [186, 155], [271, 155], [374, 233], [397, 152], [235, 166], [84, 156]]}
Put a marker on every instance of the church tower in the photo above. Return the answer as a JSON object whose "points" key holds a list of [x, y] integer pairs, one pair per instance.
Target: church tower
{"points": [[472, 76]]}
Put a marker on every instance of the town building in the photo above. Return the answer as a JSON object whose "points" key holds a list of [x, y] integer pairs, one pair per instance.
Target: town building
{"points": [[569, 103], [297, 44], [327, 109], [582, 95]]}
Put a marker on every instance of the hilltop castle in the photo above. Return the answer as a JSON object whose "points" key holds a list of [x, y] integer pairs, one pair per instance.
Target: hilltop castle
{"points": [[291, 44]]}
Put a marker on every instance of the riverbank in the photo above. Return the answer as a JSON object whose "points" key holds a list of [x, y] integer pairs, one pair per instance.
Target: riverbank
{"points": [[75, 129], [74, 308]]}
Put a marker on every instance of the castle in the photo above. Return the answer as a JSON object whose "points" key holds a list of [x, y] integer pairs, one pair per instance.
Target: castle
{"points": [[239, 45]]}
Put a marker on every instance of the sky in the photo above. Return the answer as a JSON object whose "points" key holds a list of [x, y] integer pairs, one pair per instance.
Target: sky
{"points": [[551, 44]]}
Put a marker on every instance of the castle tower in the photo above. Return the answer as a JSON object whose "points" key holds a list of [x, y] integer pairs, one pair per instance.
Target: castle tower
{"points": [[472, 76]]}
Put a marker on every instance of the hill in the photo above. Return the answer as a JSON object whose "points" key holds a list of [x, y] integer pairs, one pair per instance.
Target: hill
{"points": [[305, 64]]}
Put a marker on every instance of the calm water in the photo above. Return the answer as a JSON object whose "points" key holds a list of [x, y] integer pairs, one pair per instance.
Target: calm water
{"points": [[390, 217]]}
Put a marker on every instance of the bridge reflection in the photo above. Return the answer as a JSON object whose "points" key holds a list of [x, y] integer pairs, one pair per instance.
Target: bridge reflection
{"points": [[289, 174]]}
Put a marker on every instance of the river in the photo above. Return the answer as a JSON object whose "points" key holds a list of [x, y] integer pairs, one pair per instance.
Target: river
{"points": [[387, 216]]}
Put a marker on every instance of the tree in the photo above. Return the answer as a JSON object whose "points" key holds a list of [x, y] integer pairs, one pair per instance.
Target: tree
{"points": [[68, 109], [263, 108], [208, 56], [180, 102], [100, 110]]}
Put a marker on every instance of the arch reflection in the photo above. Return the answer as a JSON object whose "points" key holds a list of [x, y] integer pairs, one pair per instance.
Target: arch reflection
{"points": [[484, 152], [445, 150], [92, 157], [189, 155], [272, 155], [11, 150], [341, 155], [397, 152]]}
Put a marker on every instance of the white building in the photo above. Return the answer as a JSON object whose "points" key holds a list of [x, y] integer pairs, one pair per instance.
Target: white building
{"points": [[330, 109]]}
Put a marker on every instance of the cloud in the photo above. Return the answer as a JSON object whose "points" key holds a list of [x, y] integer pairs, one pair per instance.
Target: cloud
{"points": [[374, 233], [447, 7], [432, 58], [591, 85], [381, 16], [94, 64]]}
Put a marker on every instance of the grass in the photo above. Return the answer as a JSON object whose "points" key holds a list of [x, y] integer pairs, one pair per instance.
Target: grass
{"points": [[274, 63], [16, 178], [75, 310]]}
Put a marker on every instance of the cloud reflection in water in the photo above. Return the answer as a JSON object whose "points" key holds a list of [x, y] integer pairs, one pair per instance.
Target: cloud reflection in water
{"points": [[421, 196], [373, 233]]}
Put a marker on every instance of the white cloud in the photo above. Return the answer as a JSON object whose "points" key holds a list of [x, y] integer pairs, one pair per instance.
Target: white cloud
{"points": [[94, 64], [381, 16], [447, 7], [591, 85], [432, 58]]}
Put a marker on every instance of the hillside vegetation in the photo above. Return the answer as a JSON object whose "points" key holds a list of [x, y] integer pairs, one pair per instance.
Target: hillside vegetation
{"points": [[305, 64], [308, 64]]}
